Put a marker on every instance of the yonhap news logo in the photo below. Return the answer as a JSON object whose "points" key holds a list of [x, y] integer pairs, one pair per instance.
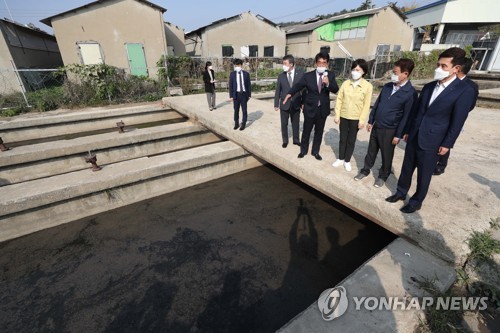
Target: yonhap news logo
{"points": [[333, 303]]}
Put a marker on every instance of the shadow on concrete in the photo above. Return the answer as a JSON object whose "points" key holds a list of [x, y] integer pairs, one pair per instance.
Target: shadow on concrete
{"points": [[494, 185], [253, 117], [331, 139], [4, 182]]}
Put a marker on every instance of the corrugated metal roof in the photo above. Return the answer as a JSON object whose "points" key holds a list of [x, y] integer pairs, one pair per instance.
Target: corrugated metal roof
{"points": [[48, 20], [25, 26], [304, 27]]}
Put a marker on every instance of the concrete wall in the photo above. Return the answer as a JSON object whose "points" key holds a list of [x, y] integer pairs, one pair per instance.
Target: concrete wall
{"points": [[246, 29], [175, 40], [385, 27], [472, 11], [427, 16], [112, 24]]}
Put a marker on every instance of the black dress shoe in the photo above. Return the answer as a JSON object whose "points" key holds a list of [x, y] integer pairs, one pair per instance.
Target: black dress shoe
{"points": [[297, 143], [242, 127], [394, 198], [236, 127], [438, 172], [408, 209], [318, 157], [284, 145], [300, 155]]}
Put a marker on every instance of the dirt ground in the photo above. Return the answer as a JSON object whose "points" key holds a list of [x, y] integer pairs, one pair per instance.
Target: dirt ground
{"points": [[243, 253]]}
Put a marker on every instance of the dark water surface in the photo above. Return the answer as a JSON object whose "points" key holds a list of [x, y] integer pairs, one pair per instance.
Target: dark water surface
{"points": [[244, 253]]}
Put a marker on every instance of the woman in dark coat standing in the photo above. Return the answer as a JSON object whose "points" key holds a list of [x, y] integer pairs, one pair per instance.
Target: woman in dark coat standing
{"points": [[209, 79]]}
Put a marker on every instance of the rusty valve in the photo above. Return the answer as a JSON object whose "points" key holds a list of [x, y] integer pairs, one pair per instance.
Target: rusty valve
{"points": [[121, 126], [3, 147], [92, 158]]}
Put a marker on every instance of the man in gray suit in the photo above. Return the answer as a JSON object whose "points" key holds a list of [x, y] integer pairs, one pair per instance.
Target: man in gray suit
{"points": [[290, 109]]}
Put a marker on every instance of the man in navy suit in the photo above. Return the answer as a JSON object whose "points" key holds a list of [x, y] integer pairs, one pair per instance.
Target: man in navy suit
{"points": [[436, 122], [240, 91], [290, 109], [462, 75], [317, 84]]}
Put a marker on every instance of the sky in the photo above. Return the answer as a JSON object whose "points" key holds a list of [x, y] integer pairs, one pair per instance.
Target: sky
{"points": [[192, 14]]}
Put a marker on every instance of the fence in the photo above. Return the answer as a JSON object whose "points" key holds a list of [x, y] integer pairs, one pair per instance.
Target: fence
{"points": [[77, 85]]}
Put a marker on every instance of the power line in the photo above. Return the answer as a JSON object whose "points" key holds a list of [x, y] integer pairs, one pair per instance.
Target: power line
{"points": [[303, 10]]}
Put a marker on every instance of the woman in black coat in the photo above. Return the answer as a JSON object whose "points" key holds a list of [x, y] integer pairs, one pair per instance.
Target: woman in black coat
{"points": [[209, 79]]}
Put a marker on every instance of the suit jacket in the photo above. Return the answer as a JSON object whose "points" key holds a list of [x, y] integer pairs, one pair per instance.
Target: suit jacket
{"points": [[393, 110], [209, 87], [313, 96], [282, 89], [233, 85], [475, 87], [439, 124]]}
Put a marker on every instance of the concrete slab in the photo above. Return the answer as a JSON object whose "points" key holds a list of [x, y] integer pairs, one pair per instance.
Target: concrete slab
{"points": [[396, 271], [461, 200]]}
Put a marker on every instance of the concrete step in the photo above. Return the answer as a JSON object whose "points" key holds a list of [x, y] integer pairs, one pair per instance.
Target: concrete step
{"points": [[56, 125], [48, 159], [43, 203]]}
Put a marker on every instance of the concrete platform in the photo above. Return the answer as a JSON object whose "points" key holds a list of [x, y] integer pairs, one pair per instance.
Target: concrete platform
{"points": [[460, 201], [56, 157], [43, 203]]}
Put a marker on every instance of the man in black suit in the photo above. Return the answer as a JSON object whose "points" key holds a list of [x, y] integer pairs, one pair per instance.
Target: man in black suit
{"points": [[436, 122], [290, 109], [240, 91], [317, 84], [462, 75]]}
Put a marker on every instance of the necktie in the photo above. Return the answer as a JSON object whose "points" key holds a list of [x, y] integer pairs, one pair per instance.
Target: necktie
{"points": [[320, 82], [290, 81], [241, 82]]}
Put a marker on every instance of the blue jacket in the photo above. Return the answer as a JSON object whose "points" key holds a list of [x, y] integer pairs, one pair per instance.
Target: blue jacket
{"points": [[233, 85], [439, 124], [393, 111]]}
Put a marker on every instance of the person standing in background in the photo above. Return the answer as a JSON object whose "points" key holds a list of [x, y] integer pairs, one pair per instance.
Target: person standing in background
{"points": [[462, 75], [351, 111], [388, 119], [209, 79], [317, 85], [290, 109], [240, 91]]}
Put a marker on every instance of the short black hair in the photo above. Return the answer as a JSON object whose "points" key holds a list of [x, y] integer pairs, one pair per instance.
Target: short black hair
{"points": [[457, 54], [406, 65], [238, 62], [361, 63], [322, 55], [290, 59], [208, 63], [466, 66]]}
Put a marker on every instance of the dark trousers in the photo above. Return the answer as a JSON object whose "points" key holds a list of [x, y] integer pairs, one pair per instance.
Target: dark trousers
{"points": [[443, 161], [318, 122], [380, 139], [425, 162], [294, 115], [348, 133], [240, 100]]}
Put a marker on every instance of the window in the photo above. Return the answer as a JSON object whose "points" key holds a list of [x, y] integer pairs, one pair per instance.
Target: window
{"points": [[90, 53], [348, 28], [227, 51], [325, 49], [268, 51], [253, 50]]}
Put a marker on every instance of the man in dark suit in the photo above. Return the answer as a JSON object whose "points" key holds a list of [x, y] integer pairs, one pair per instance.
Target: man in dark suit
{"points": [[436, 122], [240, 91], [462, 75], [317, 84], [290, 109]]}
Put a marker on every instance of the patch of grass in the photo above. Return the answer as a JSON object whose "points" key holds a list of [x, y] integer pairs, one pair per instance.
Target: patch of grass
{"points": [[482, 245]]}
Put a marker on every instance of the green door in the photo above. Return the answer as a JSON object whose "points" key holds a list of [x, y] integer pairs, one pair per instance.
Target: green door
{"points": [[137, 59]]}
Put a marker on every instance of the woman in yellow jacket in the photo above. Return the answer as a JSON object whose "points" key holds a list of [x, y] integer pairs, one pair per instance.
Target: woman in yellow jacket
{"points": [[351, 111]]}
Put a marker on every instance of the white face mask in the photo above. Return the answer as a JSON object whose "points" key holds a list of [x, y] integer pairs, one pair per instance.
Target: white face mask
{"points": [[238, 69], [440, 74], [320, 70], [209, 67], [286, 68], [356, 75], [395, 78]]}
